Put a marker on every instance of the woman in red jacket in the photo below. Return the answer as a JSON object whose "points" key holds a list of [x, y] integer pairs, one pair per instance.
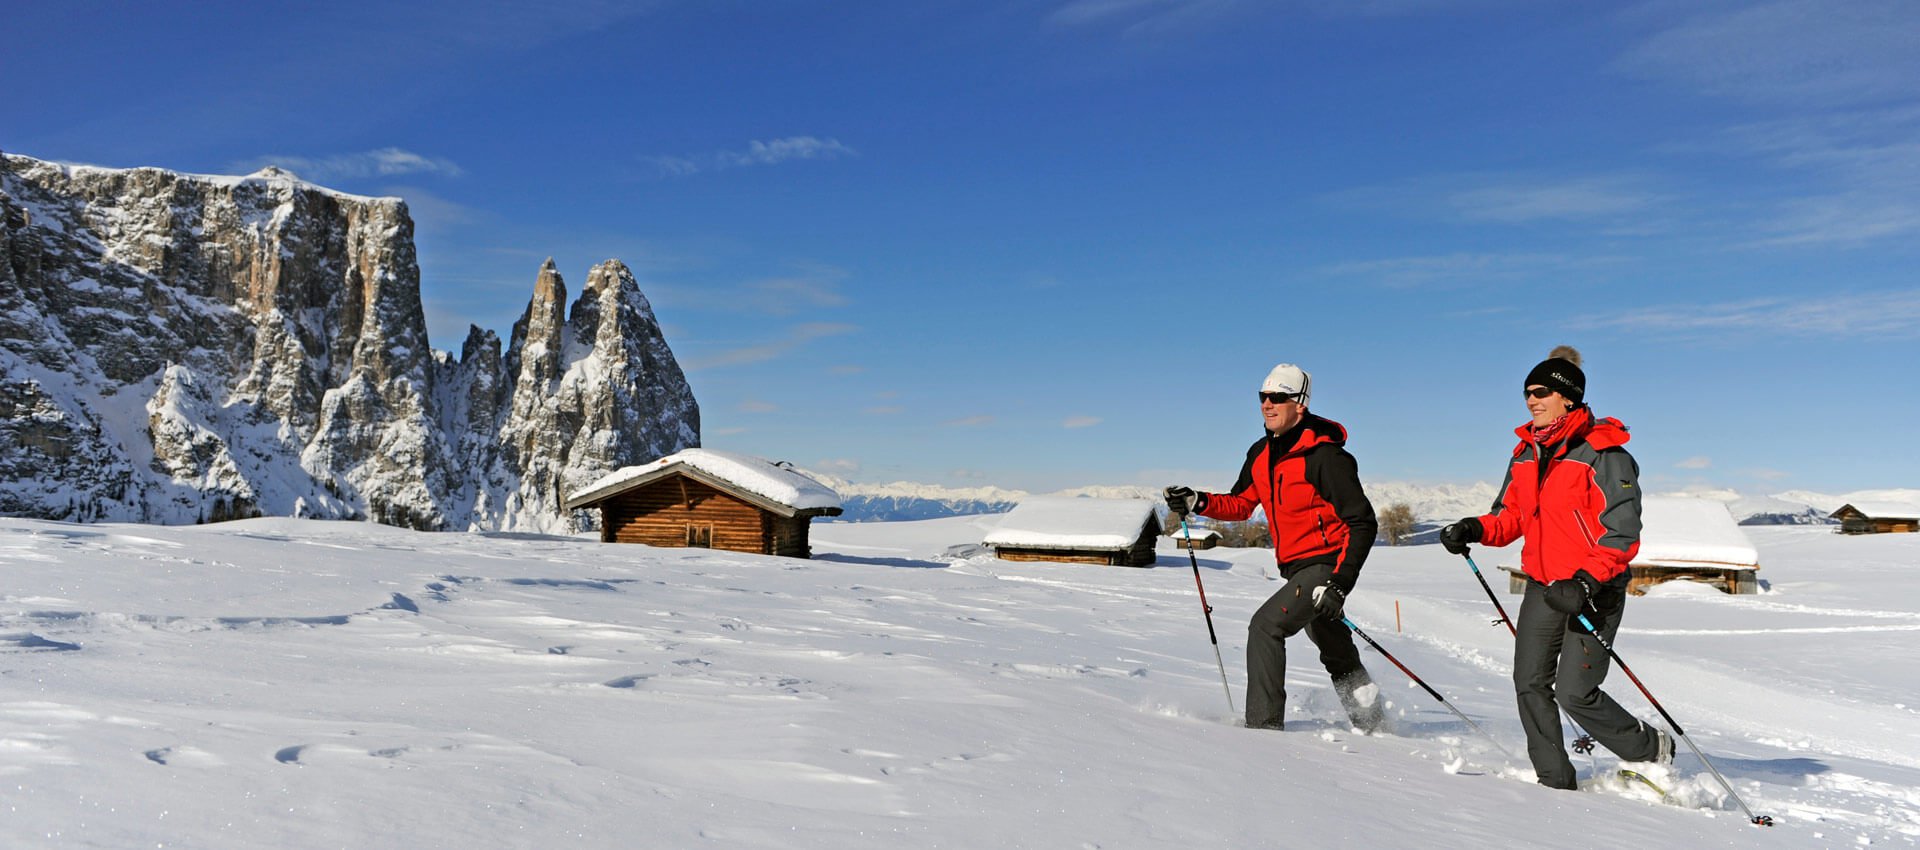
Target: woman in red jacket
{"points": [[1572, 493]]}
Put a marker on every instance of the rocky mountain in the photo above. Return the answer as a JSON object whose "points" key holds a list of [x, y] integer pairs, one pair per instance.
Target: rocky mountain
{"points": [[177, 348]]}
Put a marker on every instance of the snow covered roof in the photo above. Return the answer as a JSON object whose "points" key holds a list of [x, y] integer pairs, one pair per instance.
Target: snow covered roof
{"points": [[778, 487], [1060, 522], [1882, 510], [1189, 532], [1679, 531]]}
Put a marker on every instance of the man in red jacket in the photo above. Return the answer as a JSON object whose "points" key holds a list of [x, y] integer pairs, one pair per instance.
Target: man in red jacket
{"points": [[1322, 527]]}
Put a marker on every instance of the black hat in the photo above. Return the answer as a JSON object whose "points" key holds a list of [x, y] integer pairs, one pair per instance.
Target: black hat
{"points": [[1561, 373]]}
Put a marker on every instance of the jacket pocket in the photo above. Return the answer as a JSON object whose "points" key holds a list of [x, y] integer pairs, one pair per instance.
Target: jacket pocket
{"points": [[1586, 535]]}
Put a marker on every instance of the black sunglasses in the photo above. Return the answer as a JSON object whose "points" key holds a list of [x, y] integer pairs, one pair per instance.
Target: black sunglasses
{"points": [[1537, 392], [1278, 398]]}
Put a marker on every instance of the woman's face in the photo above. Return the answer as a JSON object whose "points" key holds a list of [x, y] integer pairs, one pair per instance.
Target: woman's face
{"points": [[1546, 408]]}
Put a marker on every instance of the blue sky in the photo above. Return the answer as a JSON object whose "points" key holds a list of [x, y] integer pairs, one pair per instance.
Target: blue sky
{"points": [[1043, 244]]}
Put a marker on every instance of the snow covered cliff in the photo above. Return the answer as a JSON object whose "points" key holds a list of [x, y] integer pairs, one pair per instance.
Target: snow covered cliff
{"points": [[177, 348]]}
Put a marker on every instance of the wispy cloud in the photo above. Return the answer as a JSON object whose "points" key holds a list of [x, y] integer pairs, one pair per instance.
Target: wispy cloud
{"points": [[1865, 167], [385, 162], [1081, 422], [837, 466], [757, 153], [1696, 462], [1143, 17], [884, 410], [1465, 269], [810, 286], [1519, 200], [796, 338], [970, 421], [1515, 198], [754, 405], [1883, 314], [1809, 52]]}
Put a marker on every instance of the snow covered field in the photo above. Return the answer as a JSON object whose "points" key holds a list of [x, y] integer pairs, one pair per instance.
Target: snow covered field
{"points": [[279, 683]]}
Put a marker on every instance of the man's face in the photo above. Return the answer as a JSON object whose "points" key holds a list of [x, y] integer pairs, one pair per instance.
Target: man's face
{"points": [[1280, 416]]}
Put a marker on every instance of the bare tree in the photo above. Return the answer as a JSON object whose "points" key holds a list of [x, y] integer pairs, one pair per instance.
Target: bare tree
{"points": [[1396, 522], [1248, 534]]}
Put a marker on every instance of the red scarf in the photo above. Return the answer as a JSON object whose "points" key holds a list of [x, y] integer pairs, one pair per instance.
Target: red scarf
{"points": [[1573, 422]]}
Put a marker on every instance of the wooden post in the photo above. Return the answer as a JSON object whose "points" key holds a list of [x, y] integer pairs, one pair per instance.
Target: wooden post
{"points": [[1396, 615]]}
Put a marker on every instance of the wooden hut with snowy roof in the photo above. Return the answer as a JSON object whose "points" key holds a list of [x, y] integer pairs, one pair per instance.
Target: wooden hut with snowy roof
{"points": [[1684, 537], [1877, 517], [1120, 532], [710, 499], [1188, 537]]}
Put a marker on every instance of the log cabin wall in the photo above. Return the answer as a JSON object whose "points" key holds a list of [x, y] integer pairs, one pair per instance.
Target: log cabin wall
{"points": [[1062, 555], [788, 536], [661, 513]]}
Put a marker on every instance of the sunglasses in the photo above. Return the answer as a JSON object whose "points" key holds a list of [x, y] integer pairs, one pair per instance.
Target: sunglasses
{"points": [[1279, 398], [1537, 392]]}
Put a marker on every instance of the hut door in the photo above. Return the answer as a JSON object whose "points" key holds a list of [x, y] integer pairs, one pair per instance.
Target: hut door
{"points": [[700, 536]]}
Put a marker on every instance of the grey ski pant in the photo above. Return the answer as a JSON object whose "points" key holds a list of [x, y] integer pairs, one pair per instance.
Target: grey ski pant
{"points": [[1284, 614], [1556, 663]]}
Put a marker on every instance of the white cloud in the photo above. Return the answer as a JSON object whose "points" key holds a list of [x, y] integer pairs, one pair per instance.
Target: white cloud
{"points": [[837, 466], [970, 421], [797, 337], [809, 286], [1516, 201], [385, 162], [885, 410], [1882, 314], [1081, 422], [1462, 268], [1696, 462], [757, 406], [1619, 204], [1808, 52], [757, 153]]}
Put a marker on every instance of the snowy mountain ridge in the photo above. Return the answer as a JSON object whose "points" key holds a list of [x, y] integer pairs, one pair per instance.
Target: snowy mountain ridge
{"points": [[1431, 502], [182, 348]]}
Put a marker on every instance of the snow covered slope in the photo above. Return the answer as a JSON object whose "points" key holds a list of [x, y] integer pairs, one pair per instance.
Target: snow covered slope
{"points": [[300, 684]]}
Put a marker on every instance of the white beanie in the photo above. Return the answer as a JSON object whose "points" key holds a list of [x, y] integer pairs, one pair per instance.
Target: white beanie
{"points": [[1288, 378]]}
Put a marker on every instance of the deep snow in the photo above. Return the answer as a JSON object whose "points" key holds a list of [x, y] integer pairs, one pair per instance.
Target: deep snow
{"points": [[306, 684]]}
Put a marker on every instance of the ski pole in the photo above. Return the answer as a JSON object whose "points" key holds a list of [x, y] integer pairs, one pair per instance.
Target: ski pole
{"points": [[1756, 820], [1490, 596], [1429, 688], [1208, 611], [1582, 742]]}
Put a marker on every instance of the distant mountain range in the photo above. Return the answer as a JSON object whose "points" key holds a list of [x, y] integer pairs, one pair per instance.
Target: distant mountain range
{"points": [[1432, 504]]}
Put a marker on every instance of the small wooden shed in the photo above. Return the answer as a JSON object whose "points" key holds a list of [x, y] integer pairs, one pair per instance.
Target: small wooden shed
{"points": [[1119, 532], [1877, 517], [1689, 538], [1201, 538], [710, 499]]}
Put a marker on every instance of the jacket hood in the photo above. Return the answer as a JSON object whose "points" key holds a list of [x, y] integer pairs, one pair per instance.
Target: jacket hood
{"points": [[1314, 431]]}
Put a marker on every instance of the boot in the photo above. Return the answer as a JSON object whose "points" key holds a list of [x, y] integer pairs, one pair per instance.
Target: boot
{"points": [[1361, 698]]}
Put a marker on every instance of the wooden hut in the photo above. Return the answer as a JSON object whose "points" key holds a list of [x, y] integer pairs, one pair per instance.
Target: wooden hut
{"points": [[709, 499], [1685, 538], [1194, 538], [1877, 517], [1120, 532]]}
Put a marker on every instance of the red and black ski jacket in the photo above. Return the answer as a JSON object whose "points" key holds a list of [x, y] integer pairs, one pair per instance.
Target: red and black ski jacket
{"points": [[1309, 487], [1578, 508]]}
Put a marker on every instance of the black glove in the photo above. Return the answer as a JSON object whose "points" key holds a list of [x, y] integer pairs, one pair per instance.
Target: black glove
{"points": [[1183, 500], [1456, 536], [1572, 596], [1328, 601]]}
